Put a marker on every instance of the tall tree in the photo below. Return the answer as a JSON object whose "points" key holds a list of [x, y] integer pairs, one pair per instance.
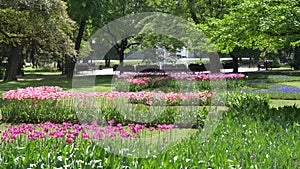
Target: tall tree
{"points": [[263, 25], [199, 12], [202, 12], [86, 13], [42, 25], [119, 8]]}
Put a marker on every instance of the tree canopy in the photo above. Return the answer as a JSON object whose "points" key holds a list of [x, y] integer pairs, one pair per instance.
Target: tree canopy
{"points": [[257, 24], [42, 29], [35, 28]]}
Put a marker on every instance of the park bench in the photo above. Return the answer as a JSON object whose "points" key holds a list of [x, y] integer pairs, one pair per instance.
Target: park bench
{"points": [[196, 67], [265, 64], [228, 65]]}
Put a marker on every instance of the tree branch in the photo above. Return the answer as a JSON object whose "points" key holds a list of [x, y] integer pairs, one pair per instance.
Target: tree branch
{"points": [[131, 44], [192, 11]]}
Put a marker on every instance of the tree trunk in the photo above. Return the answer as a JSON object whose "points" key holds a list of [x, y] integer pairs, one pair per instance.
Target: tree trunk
{"points": [[215, 63], [121, 55], [297, 58], [70, 66], [1, 67], [13, 64], [193, 11], [107, 61], [121, 50], [235, 63]]}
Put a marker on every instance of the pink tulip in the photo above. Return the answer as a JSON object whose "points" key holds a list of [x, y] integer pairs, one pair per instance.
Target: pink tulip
{"points": [[111, 122], [85, 135], [69, 140]]}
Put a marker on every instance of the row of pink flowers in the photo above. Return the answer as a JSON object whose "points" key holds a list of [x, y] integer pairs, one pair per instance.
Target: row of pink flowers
{"points": [[42, 94], [70, 132], [140, 81], [146, 80], [205, 77], [185, 75]]}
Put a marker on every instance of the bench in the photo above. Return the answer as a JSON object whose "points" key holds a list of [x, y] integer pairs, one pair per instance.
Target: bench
{"points": [[196, 67], [265, 64]]}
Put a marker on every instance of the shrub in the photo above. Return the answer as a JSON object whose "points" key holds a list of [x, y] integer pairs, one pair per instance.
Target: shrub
{"points": [[240, 103]]}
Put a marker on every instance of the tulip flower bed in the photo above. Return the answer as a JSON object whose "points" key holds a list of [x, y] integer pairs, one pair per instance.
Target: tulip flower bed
{"points": [[244, 138], [46, 103], [174, 81], [249, 135], [50, 145], [69, 133]]}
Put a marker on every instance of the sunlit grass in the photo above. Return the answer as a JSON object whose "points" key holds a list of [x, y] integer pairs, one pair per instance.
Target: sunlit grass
{"points": [[282, 68], [281, 103], [296, 83]]}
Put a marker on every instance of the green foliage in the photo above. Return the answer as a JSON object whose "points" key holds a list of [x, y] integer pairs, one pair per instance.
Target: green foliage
{"points": [[256, 24], [37, 111], [32, 21], [248, 103], [86, 50], [37, 30]]}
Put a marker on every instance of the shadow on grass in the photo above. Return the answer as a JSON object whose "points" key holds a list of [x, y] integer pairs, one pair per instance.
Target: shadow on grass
{"points": [[102, 82]]}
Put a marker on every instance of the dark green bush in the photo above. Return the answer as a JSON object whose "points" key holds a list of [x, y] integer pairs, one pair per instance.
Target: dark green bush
{"points": [[246, 103]]}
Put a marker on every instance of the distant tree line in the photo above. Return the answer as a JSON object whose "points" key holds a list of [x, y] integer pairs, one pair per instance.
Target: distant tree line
{"points": [[48, 31]]}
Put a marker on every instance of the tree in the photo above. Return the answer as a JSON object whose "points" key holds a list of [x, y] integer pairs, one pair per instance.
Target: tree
{"points": [[86, 13], [116, 9], [40, 26], [264, 25]]}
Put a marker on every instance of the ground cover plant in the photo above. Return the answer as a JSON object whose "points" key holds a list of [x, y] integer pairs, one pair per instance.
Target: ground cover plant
{"points": [[279, 91]]}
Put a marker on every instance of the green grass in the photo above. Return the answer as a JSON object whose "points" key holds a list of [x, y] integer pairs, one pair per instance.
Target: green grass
{"points": [[39, 71], [295, 84], [281, 103], [102, 83], [282, 68]]}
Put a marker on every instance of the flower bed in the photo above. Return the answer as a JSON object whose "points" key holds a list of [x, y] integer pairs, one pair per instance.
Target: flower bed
{"points": [[41, 104], [69, 132], [247, 128], [243, 140], [278, 91], [48, 145], [174, 81]]}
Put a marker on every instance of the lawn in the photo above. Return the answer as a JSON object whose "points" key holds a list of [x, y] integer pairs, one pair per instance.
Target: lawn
{"points": [[102, 83], [281, 103], [295, 83]]}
